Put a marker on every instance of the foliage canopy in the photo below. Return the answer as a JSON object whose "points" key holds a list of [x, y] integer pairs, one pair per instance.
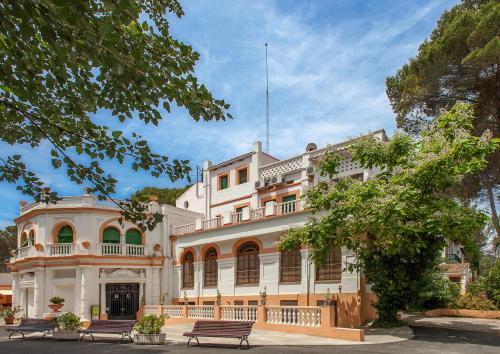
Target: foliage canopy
{"points": [[64, 61], [397, 224]]}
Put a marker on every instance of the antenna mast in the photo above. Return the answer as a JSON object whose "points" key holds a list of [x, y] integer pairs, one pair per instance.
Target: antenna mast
{"points": [[267, 105]]}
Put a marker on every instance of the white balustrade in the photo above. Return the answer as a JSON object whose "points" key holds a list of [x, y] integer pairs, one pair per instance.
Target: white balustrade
{"points": [[110, 249], [173, 311], [118, 249], [184, 229], [236, 217], [294, 315], [151, 310], [201, 311], [60, 249], [212, 223], [239, 313], [135, 250], [287, 207], [25, 252], [256, 214]]}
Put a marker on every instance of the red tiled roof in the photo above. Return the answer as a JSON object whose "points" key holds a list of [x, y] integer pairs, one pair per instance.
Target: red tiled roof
{"points": [[454, 267]]}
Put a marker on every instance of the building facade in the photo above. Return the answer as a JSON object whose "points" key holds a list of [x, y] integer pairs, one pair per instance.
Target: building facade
{"points": [[218, 243]]}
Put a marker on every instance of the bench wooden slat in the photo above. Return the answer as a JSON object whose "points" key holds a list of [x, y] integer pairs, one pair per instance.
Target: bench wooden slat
{"points": [[221, 329]]}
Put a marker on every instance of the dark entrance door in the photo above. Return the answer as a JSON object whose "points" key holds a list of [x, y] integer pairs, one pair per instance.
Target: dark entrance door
{"points": [[122, 301]]}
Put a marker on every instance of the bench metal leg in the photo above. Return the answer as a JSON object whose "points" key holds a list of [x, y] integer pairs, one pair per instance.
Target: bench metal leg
{"points": [[12, 332], [126, 334], [189, 341], [244, 339]]}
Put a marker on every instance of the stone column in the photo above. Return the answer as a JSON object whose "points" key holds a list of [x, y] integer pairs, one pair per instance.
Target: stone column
{"points": [[38, 292], [156, 286], [304, 274], [198, 278], [149, 286], [84, 306], [15, 289], [103, 310]]}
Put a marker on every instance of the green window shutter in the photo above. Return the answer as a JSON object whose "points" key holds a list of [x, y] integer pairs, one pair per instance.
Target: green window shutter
{"points": [[65, 235], [243, 178], [223, 182], [289, 198], [133, 237], [111, 235]]}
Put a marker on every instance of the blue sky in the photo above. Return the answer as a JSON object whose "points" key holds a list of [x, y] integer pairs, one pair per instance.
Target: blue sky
{"points": [[328, 61]]}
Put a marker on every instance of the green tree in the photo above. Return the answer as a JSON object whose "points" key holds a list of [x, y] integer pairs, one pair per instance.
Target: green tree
{"points": [[165, 195], [62, 61], [458, 63], [8, 242], [397, 224]]}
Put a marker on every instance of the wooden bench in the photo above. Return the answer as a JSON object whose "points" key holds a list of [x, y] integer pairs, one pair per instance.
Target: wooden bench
{"points": [[122, 327], [32, 325], [222, 329]]}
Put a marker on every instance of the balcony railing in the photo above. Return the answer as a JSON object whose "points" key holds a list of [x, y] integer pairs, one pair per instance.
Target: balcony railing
{"points": [[60, 249], [212, 223], [453, 258], [25, 252], [118, 249], [184, 229], [241, 217]]}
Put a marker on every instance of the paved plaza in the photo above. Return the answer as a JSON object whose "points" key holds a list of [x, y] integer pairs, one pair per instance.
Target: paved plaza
{"points": [[425, 340]]}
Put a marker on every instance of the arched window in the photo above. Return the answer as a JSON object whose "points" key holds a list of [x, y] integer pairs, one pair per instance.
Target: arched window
{"points": [[332, 268], [188, 271], [133, 237], [210, 267], [290, 266], [111, 235], [31, 238], [248, 264], [65, 235], [24, 239]]}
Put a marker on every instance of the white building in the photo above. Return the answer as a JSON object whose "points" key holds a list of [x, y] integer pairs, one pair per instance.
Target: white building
{"points": [[221, 236]]}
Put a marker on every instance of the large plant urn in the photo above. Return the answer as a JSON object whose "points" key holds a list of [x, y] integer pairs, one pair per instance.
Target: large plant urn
{"points": [[150, 338], [56, 307], [9, 320], [65, 335]]}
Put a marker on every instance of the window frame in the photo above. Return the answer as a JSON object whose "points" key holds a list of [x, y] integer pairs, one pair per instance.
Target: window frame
{"points": [[104, 234], [213, 266], [291, 262], [245, 275], [238, 177], [219, 181], [331, 270], [188, 271], [59, 233]]}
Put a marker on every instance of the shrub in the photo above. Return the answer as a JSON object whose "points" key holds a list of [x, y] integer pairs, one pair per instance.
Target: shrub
{"points": [[150, 324], [67, 322], [474, 302], [435, 292], [56, 300], [488, 286], [10, 311]]}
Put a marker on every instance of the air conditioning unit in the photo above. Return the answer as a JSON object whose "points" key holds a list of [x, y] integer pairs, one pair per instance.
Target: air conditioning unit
{"points": [[310, 170], [267, 182], [257, 184], [274, 179]]}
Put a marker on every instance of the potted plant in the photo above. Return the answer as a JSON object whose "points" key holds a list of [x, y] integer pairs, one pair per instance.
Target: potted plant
{"points": [[9, 314], [263, 296], [328, 297], [149, 330], [219, 297], [56, 303], [186, 300], [67, 326]]}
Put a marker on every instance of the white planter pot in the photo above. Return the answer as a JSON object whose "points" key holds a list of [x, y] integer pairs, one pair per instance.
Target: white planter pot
{"points": [[63, 335], [150, 338]]}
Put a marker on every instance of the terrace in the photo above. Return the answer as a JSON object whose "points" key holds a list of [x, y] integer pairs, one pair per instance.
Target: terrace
{"points": [[272, 209]]}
